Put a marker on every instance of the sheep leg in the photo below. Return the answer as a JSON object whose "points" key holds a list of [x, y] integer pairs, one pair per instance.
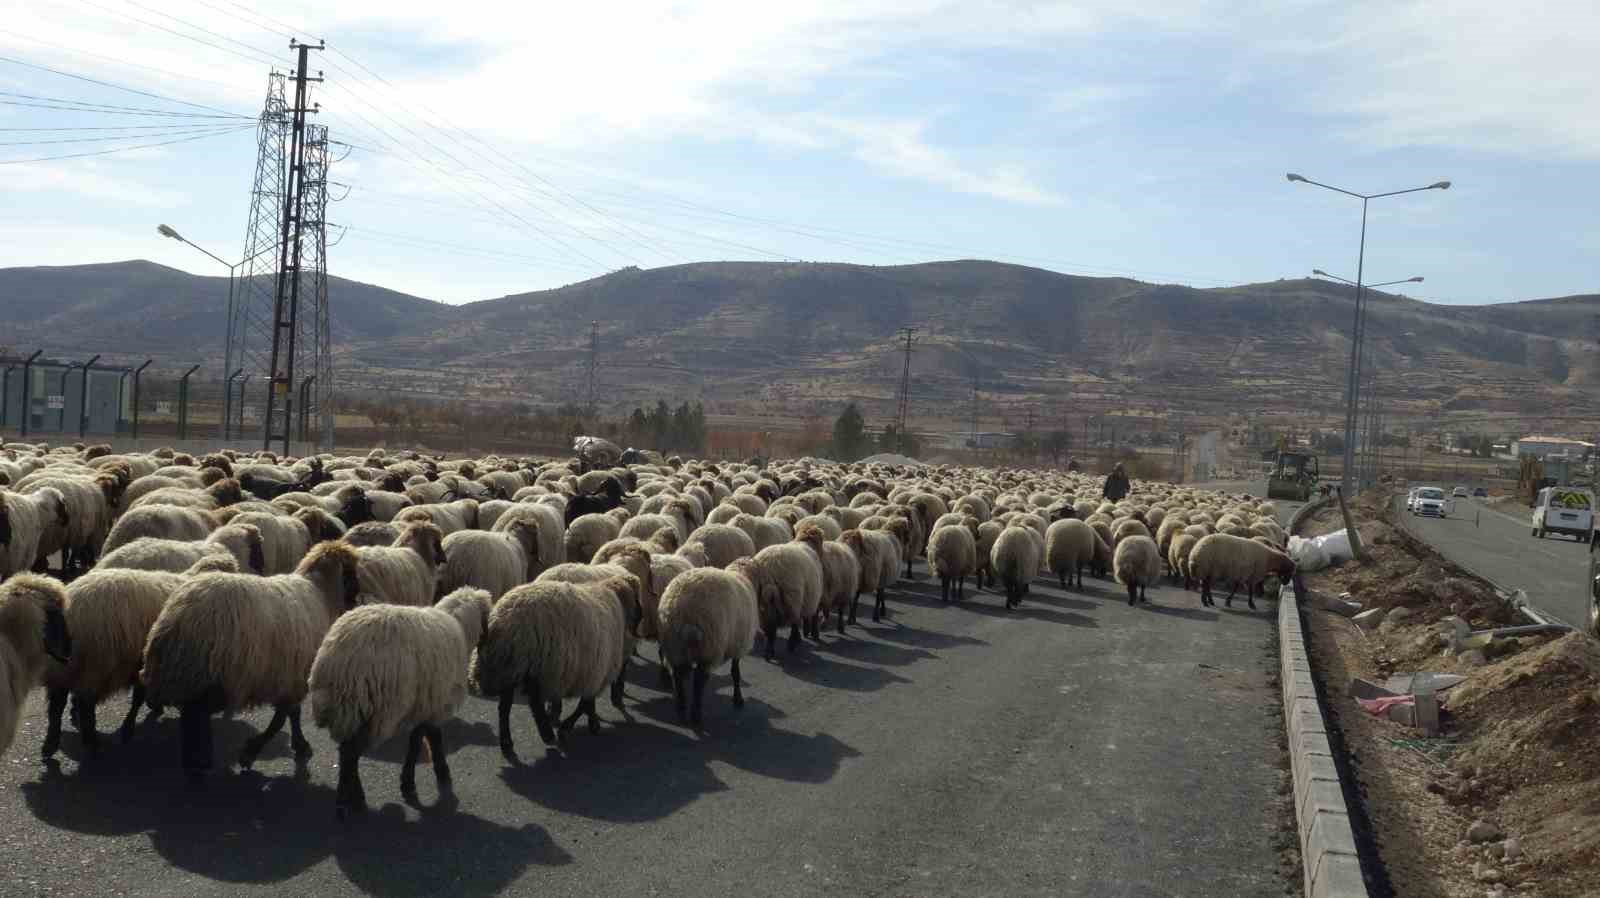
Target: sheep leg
{"points": [[738, 686], [408, 769], [1142, 597], [794, 637], [83, 719], [880, 606], [254, 745], [507, 699], [771, 633], [441, 766], [56, 706], [297, 736], [701, 675], [617, 686], [587, 705], [1250, 595], [961, 587], [680, 690], [1133, 593], [666, 671], [944, 590], [351, 797], [541, 713], [134, 703], [1205, 592], [195, 732]]}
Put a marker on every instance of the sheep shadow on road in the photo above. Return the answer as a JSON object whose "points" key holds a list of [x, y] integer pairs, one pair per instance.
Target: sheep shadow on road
{"points": [[891, 630], [870, 651], [810, 664], [384, 854]]}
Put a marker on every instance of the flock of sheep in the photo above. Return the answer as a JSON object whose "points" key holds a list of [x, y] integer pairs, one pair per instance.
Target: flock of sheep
{"points": [[383, 588]]}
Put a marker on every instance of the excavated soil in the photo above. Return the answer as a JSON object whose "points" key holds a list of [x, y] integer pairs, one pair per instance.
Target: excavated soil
{"points": [[1520, 740]]}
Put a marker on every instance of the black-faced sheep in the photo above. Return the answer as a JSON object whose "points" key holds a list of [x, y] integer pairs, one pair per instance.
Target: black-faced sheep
{"points": [[33, 630], [1237, 560], [554, 641], [226, 642]]}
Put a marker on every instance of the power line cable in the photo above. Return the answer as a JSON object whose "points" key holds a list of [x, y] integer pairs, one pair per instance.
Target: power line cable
{"points": [[112, 59], [207, 129], [113, 86], [233, 130], [90, 106], [254, 59]]}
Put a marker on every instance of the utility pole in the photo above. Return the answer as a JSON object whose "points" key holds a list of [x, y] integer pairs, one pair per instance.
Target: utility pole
{"points": [[594, 354], [286, 303], [975, 404], [906, 333]]}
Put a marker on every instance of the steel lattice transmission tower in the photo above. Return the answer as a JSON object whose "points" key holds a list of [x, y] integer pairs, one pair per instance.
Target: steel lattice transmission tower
{"points": [[905, 392], [278, 327]]}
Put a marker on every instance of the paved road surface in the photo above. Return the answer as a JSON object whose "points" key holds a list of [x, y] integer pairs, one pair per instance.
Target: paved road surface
{"points": [[1078, 747], [1497, 544]]}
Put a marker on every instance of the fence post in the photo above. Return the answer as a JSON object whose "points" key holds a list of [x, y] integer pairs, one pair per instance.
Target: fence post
{"points": [[83, 397], [137, 373], [183, 404], [27, 390]]}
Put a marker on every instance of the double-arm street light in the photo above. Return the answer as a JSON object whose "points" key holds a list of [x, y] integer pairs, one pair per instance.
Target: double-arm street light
{"points": [[1353, 385], [1368, 423], [227, 338]]}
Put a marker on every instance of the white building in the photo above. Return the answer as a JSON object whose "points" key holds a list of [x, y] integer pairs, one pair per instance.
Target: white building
{"points": [[1546, 446]]}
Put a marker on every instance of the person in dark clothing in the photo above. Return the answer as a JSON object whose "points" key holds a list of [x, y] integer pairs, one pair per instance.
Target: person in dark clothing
{"points": [[1116, 484]]}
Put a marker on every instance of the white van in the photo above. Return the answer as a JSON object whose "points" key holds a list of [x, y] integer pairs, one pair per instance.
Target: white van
{"points": [[1564, 509]]}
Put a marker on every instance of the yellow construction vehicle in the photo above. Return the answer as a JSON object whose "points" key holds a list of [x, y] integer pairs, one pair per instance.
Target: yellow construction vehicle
{"points": [[1294, 476]]}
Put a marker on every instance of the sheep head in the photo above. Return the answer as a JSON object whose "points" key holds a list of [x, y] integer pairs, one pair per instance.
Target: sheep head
{"points": [[354, 506], [111, 488], [226, 492], [334, 565], [627, 587], [425, 539], [32, 607], [812, 536]]}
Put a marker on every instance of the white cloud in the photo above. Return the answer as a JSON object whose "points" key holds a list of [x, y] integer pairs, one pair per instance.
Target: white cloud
{"points": [[99, 183], [1521, 79], [900, 148]]}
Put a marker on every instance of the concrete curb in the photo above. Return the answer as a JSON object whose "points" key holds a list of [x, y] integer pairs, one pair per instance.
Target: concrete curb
{"points": [[1327, 843]]}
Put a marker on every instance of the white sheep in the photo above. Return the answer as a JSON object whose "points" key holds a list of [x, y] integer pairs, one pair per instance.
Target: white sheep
{"points": [[91, 502], [406, 572], [547, 520], [708, 616], [722, 544], [763, 531], [494, 562], [372, 533], [239, 541], [33, 630], [383, 669], [1237, 560], [449, 517], [226, 642], [26, 519], [1137, 564], [841, 581], [790, 591], [160, 522], [553, 641], [953, 555], [587, 533], [1015, 559], [109, 613], [1070, 546], [879, 555]]}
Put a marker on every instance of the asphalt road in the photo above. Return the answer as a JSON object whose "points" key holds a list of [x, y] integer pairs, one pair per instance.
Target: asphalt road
{"points": [[1499, 545], [1077, 747]]}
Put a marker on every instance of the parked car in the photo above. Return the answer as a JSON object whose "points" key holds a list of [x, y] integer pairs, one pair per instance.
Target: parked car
{"points": [[1430, 502], [1459, 492], [1481, 492], [1564, 509]]}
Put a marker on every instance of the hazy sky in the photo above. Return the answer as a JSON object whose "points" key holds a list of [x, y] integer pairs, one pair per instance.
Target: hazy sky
{"points": [[508, 147]]}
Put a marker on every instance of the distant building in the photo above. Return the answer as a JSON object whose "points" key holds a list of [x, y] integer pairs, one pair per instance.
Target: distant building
{"points": [[1546, 446], [966, 439]]}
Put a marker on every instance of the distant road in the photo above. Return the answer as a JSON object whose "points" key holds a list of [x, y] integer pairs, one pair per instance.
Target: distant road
{"points": [[1498, 544]]}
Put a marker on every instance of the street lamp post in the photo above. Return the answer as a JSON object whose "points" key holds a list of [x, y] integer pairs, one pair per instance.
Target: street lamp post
{"points": [[1369, 419], [227, 338], [1353, 384]]}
